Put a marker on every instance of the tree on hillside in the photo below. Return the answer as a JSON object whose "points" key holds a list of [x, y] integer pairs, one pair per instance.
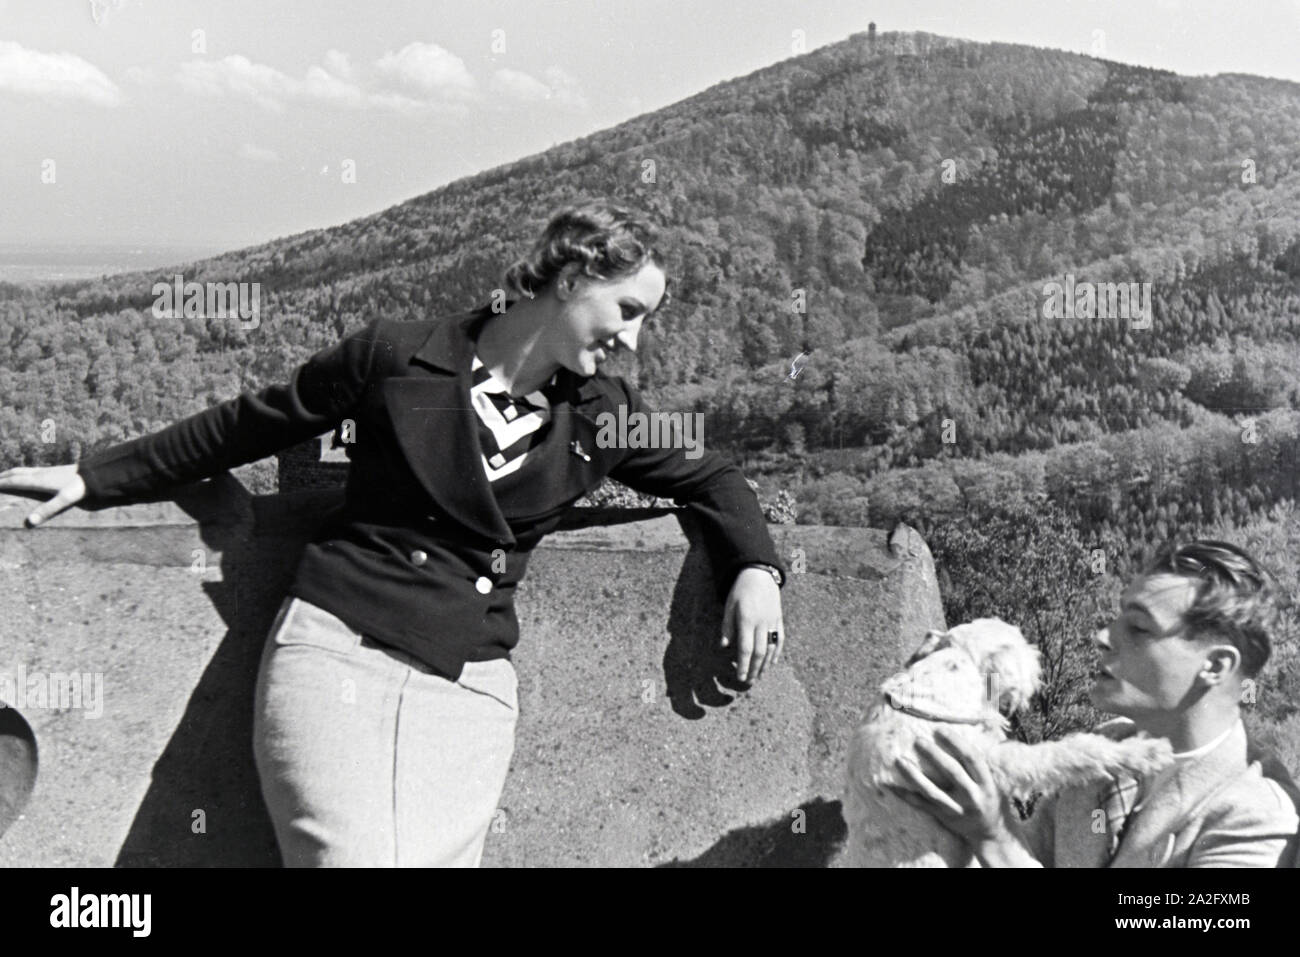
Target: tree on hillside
{"points": [[1026, 564]]}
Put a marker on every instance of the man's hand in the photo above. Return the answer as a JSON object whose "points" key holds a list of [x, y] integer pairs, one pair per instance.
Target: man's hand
{"points": [[964, 799], [753, 611]]}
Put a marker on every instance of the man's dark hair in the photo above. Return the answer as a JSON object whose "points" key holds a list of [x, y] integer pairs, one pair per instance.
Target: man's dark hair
{"points": [[1234, 597]]}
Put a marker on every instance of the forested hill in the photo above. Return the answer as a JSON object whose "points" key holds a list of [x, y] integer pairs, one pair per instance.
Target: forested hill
{"points": [[916, 193]]}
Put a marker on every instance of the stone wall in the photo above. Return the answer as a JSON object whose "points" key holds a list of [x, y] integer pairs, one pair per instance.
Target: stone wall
{"points": [[633, 747], [312, 464]]}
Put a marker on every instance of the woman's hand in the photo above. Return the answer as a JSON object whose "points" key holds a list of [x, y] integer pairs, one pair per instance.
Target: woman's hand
{"points": [[63, 481], [753, 611], [964, 799]]}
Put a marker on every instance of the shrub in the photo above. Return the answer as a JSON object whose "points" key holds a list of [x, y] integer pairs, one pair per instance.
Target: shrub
{"points": [[1026, 564]]}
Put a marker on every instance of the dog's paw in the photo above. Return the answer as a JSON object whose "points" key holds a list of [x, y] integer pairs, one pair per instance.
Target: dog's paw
{"points": [[1145, 755]]}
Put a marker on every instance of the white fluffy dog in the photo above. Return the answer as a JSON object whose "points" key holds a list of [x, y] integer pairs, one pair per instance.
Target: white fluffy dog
{"points": [[963, 679]]}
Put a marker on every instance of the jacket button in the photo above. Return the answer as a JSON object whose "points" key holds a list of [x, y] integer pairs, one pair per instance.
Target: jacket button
{"points": [[419, 557], [484, 585]]}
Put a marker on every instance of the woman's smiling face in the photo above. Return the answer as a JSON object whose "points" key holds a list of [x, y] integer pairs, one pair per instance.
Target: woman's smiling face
{"points": [[597, 317]]}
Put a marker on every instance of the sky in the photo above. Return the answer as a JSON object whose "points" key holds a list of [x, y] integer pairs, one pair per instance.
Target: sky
{"points": [[227, 123]]}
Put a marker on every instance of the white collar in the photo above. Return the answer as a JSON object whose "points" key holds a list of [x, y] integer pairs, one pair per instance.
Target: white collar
{"points": [[1206, 748], [1149, 785]]}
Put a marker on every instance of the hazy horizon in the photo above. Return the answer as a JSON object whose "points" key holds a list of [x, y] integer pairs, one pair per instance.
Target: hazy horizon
{"points": [[69, 262]]}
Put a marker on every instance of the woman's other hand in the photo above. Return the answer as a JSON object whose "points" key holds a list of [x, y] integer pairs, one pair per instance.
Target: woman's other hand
{"points": [[753, 611], [62, 481]]}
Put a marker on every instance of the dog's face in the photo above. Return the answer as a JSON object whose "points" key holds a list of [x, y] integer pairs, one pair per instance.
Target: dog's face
{"points": [[983, 665], [945, 682]]}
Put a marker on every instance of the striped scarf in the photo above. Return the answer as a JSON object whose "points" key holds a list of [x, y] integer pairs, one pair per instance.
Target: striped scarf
{"points": [[509, 427]]}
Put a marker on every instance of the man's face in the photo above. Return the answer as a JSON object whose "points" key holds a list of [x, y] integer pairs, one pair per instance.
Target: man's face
{"points": [[1148, 663]]}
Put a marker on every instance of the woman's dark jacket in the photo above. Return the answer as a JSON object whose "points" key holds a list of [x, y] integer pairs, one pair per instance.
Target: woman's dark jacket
{"points": [[421, 556]]}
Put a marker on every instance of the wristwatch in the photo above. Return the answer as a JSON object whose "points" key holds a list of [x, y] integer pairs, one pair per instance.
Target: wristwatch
{"points": [[771, 570]]}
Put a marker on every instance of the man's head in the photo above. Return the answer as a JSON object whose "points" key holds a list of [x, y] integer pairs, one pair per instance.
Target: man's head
{"points": [[1193, 625]]}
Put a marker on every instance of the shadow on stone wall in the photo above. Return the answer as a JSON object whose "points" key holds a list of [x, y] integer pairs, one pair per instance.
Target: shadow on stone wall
{"points": [[207, 764], [698, 673], [815, 843]]}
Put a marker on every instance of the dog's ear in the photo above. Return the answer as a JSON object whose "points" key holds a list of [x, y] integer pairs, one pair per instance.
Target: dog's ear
{"points": [[934, 640]]}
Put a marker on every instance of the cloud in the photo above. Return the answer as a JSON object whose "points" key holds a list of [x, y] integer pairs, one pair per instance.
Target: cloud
{"points": [[336, 62], [428, 70], [258, 154], [324, 86], [238, 76], [418, 79], [397, 103], [63, 75], [560, 89], [513, 85]]}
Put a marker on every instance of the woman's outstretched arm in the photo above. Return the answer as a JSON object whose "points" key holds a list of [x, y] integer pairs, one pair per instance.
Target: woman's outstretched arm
{"points": [[319, 395]]}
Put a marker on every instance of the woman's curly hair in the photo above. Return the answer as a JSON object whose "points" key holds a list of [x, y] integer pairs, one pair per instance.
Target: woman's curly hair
{"points": [[607, 241], [1234, 598]]}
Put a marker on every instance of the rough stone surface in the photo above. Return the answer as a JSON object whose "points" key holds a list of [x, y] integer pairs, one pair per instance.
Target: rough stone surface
{"points": [[633, 748]]}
